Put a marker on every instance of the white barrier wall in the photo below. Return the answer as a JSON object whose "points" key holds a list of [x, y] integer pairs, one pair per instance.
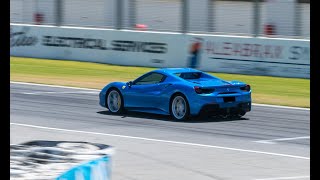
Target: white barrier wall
{"points": [[244, 55], [257, 56], [98, 45]]}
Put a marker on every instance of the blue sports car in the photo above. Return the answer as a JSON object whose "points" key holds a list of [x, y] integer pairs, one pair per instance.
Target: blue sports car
{"points": [[179, 92]]}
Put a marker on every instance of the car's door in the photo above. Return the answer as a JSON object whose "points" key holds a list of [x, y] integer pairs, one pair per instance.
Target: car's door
{"points": [[144, 92]]}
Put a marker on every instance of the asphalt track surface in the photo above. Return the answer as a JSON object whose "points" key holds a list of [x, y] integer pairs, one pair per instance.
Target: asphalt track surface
{"points": [[268, 143]]}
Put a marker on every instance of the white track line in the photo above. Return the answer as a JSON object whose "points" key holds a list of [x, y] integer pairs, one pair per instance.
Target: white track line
{"points": [[270, 141], [56, 86], [277, 106], [59, 92], [283, 178], [88, 89], [164, 141]]}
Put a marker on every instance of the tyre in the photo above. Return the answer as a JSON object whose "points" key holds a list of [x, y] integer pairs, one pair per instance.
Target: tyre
{"points": [[114, 101], [179, 107]]}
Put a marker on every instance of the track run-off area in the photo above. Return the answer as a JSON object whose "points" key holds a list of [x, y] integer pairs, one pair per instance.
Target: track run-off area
{"points": [[268, 143]]}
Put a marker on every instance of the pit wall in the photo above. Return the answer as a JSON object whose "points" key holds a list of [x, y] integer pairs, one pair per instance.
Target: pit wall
{"points": [[225, 54]]}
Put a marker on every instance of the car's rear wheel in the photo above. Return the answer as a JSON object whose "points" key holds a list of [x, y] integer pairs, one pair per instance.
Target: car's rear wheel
{"points": [[179, 107], [114, 101]]}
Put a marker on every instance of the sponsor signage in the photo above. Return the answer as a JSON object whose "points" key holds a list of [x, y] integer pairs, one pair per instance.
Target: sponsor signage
{"points": [[256, 56], [101, 44], [21, 38], [61, 160], [242, 55]]}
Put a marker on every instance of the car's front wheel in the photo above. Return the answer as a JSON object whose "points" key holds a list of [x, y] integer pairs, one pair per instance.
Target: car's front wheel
{"points": [[114, 101], [179, 107]]}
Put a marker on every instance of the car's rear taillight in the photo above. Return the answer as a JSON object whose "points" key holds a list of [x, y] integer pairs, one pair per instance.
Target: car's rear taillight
{"points": [[246, 88], [200, 90]]}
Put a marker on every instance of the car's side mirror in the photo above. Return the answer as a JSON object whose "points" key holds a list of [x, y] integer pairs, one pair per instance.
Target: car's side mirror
{"points": [[129, 84]]}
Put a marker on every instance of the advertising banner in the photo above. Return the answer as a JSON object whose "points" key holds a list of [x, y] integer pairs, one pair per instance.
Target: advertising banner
{"points": [[98, 169], [213, 53], [98, 45], [256, 56], [60, 160]]}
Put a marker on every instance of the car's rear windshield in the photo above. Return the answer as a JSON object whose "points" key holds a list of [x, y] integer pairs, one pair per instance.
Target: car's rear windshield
{"points": [[189, 75]]}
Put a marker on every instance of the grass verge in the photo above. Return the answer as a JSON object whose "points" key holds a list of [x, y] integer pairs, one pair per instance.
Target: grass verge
{"points": [[267, 90]]}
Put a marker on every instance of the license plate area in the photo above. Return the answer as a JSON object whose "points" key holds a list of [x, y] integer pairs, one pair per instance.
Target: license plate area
{"points": [[229, 99]]}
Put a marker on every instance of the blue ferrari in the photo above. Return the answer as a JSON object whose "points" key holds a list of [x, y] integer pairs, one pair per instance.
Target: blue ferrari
{"points": [[179, 92]]}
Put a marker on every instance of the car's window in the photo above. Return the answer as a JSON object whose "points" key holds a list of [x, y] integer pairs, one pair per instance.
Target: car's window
{"points": [[189, 75], [151, 78]]}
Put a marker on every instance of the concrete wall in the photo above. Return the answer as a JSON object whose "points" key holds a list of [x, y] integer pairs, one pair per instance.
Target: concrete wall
{"points": [[229, 54]]}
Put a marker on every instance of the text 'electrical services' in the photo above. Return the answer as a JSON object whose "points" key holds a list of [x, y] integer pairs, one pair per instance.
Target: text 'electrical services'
{"points": [[101, 44]]}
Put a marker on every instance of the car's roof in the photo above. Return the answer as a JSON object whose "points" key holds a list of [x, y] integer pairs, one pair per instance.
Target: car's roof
{"points": [[176, 70]]}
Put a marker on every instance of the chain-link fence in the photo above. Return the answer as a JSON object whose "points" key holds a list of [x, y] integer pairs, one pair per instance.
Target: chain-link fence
{"points": [[273, 18]]}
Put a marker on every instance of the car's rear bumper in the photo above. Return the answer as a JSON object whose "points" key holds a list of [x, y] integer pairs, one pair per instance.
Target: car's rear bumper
{"points": [[220, 103], [216, 109]]}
